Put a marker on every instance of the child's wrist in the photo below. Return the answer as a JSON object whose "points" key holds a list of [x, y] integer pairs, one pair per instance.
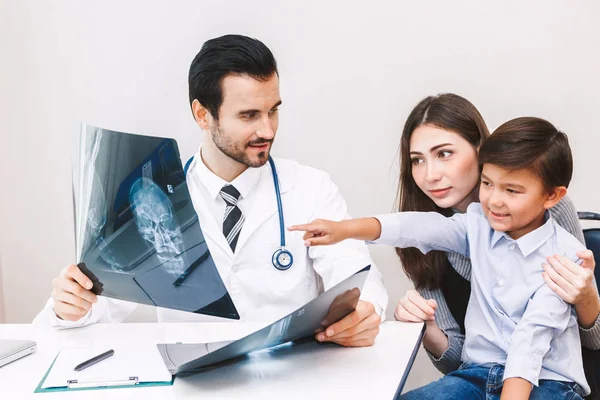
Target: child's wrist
{"points": [[349, 229]]}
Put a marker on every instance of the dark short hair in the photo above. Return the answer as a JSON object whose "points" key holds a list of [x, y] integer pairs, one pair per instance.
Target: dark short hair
{"points": [[223, 56], [533, 144]]}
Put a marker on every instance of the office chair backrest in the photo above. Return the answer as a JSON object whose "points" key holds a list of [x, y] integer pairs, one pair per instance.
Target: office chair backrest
{"points": [[592, 239], [591, 358]]}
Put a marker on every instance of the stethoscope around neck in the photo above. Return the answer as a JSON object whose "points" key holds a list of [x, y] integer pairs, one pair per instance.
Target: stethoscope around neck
{"points": [[282, 259]]}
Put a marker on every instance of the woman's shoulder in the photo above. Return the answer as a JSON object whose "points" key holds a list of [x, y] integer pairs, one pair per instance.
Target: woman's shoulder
{"points": [[461, 264], [564, 208]]}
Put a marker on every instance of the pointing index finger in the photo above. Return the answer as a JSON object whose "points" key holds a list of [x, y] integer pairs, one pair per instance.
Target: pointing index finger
{"points": [[301, 227]]}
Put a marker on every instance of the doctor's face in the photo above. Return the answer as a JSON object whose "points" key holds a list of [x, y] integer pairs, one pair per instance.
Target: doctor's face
{"points": [[248, 119]]}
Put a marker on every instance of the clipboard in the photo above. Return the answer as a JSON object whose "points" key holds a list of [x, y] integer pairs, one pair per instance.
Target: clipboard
{"points": [[139, 366]]}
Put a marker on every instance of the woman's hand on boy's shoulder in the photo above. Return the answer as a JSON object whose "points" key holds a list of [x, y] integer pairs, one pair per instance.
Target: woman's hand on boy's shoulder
{"points": [[574, 283]]}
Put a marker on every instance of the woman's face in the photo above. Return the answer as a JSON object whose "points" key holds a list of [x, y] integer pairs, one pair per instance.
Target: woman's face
{"points": [[444, 166]]}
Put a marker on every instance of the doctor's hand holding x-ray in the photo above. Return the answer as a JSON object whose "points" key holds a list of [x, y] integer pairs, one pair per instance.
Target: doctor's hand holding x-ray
{"points": [[71, 293], [234, 97]]}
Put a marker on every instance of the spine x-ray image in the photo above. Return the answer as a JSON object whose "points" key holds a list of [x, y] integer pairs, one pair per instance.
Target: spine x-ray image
{"points": [[137, 234]]}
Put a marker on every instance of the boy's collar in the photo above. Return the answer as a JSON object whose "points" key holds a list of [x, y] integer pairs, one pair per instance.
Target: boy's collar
{"points": [[533, 240]]}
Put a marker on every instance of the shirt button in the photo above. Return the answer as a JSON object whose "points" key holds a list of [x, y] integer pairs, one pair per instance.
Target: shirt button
{"points": [[500, 282], [511, 246]]}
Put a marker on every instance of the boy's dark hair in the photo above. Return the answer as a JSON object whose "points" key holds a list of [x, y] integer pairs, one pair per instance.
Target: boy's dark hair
{"points": [[223, 56], [533, 144]]}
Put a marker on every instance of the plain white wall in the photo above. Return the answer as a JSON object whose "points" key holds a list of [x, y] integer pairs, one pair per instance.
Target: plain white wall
{"points": [[350, 73], [1, 294]]}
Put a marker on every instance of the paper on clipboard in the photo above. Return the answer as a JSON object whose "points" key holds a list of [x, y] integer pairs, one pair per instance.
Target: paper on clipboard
{"points": [[129, 365]]}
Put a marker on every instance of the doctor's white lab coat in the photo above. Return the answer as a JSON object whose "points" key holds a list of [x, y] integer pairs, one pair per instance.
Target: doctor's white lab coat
{"points": [[259, 291]]}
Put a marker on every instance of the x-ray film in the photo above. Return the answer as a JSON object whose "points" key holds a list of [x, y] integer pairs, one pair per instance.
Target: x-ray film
{"points": [[137, 234], [298, 326]]}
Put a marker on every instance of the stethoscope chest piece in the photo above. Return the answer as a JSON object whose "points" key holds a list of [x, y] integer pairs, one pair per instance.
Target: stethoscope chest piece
{"points": [[282, 259]]}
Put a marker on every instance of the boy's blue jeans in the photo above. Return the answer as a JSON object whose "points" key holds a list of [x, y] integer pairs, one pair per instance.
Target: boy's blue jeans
{"points": [[477, 382]]}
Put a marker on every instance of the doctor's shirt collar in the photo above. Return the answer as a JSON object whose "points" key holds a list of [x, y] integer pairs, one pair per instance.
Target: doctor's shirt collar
{"points": [[244, 183]]}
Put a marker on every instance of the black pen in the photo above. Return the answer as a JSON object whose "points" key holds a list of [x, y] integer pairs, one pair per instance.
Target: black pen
{"points": [[94, 360]]}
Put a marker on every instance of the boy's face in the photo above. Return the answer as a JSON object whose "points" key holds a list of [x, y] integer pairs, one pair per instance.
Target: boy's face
{"points": [[513, 201]]}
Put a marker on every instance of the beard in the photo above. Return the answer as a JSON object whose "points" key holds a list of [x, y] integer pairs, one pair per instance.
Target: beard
{"points": [[237, 151]]}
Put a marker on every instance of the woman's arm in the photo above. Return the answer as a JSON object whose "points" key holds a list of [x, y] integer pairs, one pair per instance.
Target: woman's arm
{"points": [[414, 308], [444, 354], [435, 340], [574, 283]]}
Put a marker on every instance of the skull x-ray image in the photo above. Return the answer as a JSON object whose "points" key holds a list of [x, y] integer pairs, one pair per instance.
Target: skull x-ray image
{"points": [[137, 234], [154, 217]]}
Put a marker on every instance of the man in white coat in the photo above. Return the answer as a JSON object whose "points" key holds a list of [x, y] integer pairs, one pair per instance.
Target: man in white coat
{"points": [[234, 97]]}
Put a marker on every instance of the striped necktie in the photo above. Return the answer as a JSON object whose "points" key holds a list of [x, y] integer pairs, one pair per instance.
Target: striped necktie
{"points": [[233, 219]]}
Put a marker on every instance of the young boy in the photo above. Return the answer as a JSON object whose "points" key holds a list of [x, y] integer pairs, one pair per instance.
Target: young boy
{"points": [[521, 338]]}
